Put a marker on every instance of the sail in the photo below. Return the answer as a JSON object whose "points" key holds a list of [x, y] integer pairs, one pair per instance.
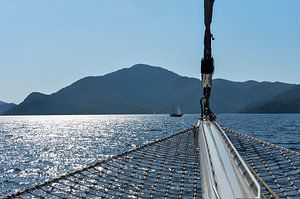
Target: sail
{"points": [[178, 113], [178, 110]]}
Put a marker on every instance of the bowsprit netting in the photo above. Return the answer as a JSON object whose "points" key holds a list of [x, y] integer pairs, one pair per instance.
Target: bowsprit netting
{"points": [[170, 168], [166, 168], [278, 167]]}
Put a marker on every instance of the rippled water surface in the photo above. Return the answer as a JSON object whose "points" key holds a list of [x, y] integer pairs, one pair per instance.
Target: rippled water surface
{"points": [[281, 129], [35, 148]]}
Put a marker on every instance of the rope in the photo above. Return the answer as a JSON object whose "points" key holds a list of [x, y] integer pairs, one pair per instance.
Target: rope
{"points": [[208, 12], [207, 62], [166, 168], [278, 167], [170, 168]]}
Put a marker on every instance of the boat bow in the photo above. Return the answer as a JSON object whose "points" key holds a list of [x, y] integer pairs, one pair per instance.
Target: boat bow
{"points": [[224, 172]]}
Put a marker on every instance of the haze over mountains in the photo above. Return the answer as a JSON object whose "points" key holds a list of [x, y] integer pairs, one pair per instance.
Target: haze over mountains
{"points": [[5, 106], [147, 89], [286, 102]]}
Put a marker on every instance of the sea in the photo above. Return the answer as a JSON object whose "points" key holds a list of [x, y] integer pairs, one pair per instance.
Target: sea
{"points": [[36, 148]]}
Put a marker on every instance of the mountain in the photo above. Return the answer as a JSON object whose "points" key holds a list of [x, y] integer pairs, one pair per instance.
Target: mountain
{"points": [[232, 97], [286, 102], [146, 89], [5, 106], [139, 89]]}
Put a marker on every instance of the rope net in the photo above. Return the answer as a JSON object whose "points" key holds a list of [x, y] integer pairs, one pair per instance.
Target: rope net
{"points": [[169, 168], [276, 168], [166, 168]]}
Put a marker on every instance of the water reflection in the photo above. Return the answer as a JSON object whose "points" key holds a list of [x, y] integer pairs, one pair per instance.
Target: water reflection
{"points": [[35, 148]]}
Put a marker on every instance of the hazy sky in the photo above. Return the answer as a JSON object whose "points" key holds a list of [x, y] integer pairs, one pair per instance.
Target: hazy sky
{"points": [[48, 44]]}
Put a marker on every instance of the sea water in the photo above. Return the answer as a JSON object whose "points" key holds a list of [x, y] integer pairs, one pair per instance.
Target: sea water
{"points": [[36, 148]]}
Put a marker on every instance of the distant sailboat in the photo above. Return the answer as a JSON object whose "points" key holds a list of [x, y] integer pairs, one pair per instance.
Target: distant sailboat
{"points": [[177, 114]]}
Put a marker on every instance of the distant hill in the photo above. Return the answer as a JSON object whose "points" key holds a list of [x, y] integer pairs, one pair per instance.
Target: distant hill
{"points": [[5, 106], [286, 102], [145, 89], [231, 97]]}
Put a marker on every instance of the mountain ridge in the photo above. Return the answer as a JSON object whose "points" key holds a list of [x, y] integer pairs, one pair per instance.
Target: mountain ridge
{"points": [[4, 106], [145, 89], [286, 102]]}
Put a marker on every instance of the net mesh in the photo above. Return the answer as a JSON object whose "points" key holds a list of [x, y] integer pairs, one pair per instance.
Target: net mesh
{"points": [[166, 168], [170, 168], [278, 167]]}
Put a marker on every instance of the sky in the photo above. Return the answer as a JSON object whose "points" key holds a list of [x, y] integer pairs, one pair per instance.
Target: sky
{"points": [[46, 45]]}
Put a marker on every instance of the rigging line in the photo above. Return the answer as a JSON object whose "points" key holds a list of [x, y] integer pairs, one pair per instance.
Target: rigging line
{"points": [[208, 12], [207, 62]]}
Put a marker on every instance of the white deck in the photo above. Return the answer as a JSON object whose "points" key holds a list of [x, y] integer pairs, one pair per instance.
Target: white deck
{"points": [[224, 174]]}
